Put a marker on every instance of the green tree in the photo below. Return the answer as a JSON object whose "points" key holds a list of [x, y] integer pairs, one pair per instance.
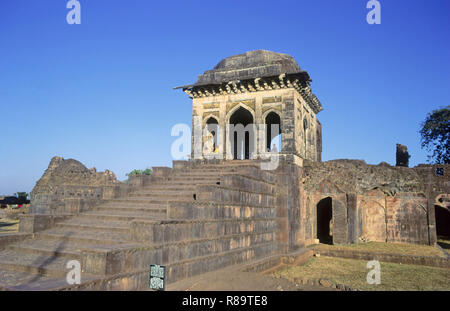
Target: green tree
{"points": [[435, 134], [147, 171], [23, 195]]}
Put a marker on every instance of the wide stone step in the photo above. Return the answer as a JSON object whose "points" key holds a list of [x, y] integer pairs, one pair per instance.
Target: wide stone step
{"points": [[164, 194], [200, 173], [16, 280], [182, 183], [171, 231], [198, 265], [165, 200], [142, 200], [184, 250], [160, 209], [33, 263], [193, 179], [132, 204], [50, 248], [99, 237], [95, 223], [171, 187], [22, 281], [169, 190], [124, 215], [108, 216]]}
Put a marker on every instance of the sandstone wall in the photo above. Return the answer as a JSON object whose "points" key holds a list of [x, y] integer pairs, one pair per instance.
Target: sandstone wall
{"points": [[375, 202], [68, 187]]}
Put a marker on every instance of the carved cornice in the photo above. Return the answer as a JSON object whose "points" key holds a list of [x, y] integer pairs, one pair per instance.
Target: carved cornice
{"points": [[299, 82]]}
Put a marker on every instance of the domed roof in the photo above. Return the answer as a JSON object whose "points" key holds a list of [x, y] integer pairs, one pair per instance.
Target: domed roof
{"points": [[250, 65], [258, 58]]}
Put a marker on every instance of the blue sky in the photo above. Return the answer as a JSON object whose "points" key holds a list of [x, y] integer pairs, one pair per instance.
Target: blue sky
{"points": [[101, 92]]}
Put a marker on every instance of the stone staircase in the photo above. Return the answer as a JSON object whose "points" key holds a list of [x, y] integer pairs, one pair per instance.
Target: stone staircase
{"points": [[197, 219]]}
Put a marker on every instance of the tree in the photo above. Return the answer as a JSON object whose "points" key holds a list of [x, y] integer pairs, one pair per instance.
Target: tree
{"points": [[21, 195], [147, 171], [435, 134]]}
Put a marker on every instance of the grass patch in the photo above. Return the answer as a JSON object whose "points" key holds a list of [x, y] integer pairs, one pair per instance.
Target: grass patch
{"points": [[391, 248], [353, 273]]}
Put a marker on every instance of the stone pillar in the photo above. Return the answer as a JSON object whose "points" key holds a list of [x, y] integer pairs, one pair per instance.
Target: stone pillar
{"points": [[260, 132], [319, 142], [340, 224], [197, 137], [289, 234], [288, 126], [432, 237], [352, 218], [402, 156], [222, 128]]}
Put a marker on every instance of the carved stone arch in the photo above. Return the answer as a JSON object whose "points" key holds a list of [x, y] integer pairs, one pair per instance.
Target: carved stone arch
{"points": [[244, 145], [274, 110], [324, 220], [442, 200], [211, 134], [442, 215], [305, 123], [272, 116], [235, 108], [209, 116]]}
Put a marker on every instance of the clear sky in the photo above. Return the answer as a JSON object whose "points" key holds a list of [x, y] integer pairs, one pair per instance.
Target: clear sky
{"points": [[101, 92]]}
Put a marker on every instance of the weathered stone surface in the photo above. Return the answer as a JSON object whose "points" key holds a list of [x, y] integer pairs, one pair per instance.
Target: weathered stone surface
{"points": [[383, 203], [356, 176], [68, 187], [257, 83], [325, 283], [251, 65], [208, 212]]}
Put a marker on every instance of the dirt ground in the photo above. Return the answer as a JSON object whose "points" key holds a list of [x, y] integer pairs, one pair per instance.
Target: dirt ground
{"points": [[234, 279], [390, 248], [353, 273]]}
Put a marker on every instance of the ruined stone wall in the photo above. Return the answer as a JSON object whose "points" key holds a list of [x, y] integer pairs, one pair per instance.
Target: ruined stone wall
{"points": [[375, 202], [68, 187]]}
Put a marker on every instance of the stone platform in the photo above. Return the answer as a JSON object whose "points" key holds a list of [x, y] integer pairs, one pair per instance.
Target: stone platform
{"points": [[192, 219]]}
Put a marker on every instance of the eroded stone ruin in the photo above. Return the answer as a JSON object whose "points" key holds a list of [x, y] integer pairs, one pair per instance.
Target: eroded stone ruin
{"points": [[221, 208]]}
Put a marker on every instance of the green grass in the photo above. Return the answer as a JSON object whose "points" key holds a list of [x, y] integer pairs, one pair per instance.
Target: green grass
{"points": [[353, 273], [391, 248]]}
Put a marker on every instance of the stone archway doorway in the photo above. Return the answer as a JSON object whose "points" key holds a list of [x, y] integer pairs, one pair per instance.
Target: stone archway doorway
{"points": [[213, 129], [241, 140], [273, 130], [442, 215], [324, 219]]}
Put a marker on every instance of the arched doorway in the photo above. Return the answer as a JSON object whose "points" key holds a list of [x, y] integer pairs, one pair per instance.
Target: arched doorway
{"points": [[442, 215], [324, 217], [241, 140], [272, 132], [213, 127]]}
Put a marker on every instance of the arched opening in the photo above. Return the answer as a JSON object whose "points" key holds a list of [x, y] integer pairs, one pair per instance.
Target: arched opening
{"points": [[241, 140], [273, 132], [442, 215], [213, 127], [305, 135], [324, 218]]}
